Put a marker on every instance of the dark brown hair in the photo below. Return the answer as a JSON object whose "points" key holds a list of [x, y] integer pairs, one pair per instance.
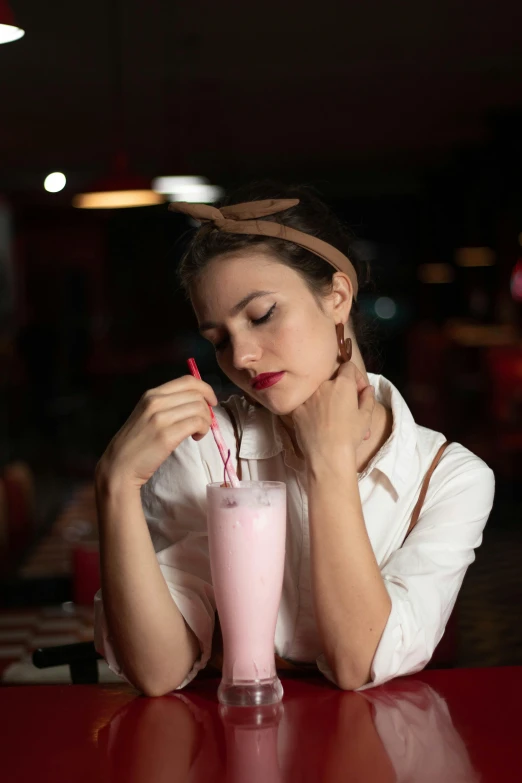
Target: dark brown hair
{"points": [[313, 217]]}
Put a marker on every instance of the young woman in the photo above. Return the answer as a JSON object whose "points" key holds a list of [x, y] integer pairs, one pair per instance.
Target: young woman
{"points": [[273, 281]]}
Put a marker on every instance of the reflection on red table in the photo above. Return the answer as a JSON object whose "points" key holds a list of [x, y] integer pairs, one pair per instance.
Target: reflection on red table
{"points": [[459, 725]]}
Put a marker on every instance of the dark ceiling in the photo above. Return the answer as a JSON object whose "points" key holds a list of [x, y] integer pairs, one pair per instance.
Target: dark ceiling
{"points": [[232, 88]]}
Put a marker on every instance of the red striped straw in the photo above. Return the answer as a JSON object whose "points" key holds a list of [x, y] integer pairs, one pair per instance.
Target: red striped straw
{"points": [[218, 437]]}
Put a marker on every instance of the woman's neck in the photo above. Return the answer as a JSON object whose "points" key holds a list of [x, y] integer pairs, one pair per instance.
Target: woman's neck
{"points": [[288, 424]]}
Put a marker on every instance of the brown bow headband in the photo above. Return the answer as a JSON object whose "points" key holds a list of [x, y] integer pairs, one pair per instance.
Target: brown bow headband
{"points": [[242, 219]]}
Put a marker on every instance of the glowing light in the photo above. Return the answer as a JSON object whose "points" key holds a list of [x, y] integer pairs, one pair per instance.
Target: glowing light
{"points": [[436, 273], [193, 189], [55, 182], [120, 187], [115, 199], [205, 194], [9, 32], [176, 184], [385, 308], [475, 256]]}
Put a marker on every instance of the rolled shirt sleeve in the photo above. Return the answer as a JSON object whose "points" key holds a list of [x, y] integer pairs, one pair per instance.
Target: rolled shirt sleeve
{"points": [[424, 576], [174, 505]]}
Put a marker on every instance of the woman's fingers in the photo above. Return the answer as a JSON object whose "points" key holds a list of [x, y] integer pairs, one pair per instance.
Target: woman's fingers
{"points": [[162, 419], [186, 383], [366, 406], [154, 402], [350, 371]]}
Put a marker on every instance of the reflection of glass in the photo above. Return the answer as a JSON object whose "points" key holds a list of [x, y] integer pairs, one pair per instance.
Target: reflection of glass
{"points": [[399, 733], [246, 533], [251, 743]]}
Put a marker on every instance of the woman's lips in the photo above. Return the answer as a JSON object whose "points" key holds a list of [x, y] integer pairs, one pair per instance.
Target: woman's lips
{"points": [[267, 380]]}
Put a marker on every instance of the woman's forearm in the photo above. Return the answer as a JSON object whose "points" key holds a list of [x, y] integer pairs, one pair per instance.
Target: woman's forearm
{"points": [[153, 645], [351, 602]]}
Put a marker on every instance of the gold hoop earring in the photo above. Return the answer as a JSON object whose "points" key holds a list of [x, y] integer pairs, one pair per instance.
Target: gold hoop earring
{"points": [[345, 348]]}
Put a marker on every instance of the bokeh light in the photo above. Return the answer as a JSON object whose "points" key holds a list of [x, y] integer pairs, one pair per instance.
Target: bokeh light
{"points": [[385, 308], [55, 182]]}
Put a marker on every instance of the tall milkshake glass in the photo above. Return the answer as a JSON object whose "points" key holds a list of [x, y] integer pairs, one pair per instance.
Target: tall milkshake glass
{"points": [[247, 534]]}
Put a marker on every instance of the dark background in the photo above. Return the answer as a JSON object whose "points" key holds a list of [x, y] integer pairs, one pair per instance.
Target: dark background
{"points": [[407, 119]]}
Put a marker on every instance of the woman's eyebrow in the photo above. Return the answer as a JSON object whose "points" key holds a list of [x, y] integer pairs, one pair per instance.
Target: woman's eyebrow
{"points": [[236, 309]]}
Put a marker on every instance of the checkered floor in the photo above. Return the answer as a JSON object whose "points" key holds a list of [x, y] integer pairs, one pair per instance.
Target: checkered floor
{"points": [[23, 631]]}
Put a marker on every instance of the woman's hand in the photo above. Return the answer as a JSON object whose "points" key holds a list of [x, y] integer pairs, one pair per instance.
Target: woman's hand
{"points": [[162, 418], [337, 417]]}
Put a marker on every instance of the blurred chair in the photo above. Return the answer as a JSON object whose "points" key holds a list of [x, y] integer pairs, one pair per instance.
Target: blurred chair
{"points": [[18, 483], [86, 572], [81, 658]]}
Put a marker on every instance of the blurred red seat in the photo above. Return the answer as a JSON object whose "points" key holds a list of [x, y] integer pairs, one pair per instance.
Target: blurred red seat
{"points": [[86, 572], [18, 483], [504, 363], [504, 369]]}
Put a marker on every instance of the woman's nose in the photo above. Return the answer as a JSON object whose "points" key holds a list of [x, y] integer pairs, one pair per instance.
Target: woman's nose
{"points": [[244, 352]]}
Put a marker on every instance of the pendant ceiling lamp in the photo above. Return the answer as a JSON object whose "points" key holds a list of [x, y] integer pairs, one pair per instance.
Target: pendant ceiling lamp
{"points": [[9, 30], [119, 187]]}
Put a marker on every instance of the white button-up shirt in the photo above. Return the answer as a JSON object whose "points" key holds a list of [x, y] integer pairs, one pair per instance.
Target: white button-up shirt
{"points": [[423, 577]]}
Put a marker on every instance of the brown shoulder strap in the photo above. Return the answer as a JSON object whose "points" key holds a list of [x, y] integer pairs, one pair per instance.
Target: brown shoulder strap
{"points": [[236, 434], [424, 489]]}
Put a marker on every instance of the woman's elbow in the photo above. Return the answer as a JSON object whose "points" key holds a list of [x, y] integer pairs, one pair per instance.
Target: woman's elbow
{"points": [[351, 680], [156, 686], [153, 690]]}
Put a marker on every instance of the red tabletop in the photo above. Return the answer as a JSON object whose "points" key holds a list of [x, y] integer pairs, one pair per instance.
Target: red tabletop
{"points": [[457, 725]]}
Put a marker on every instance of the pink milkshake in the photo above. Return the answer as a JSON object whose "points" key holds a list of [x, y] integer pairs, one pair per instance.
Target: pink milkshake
{"points": [[247, 533]]}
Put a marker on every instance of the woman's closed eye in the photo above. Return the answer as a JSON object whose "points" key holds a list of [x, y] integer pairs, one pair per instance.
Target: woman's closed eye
{"points": [[257, 322]]}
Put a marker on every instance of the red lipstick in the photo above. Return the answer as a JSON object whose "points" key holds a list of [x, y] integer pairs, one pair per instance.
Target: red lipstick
{"points": [[266, 379]]}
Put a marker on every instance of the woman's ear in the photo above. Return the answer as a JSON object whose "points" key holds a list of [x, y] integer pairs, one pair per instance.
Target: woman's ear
{"points": [[341, 297]]}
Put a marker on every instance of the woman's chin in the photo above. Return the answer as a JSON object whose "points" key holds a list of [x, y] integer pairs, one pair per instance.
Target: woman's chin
{"points": [[282, 407], [277, 407], [282, 402]]}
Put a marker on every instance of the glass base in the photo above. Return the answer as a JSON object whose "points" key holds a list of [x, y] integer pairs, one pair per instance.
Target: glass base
{"points": [[250, 694]]}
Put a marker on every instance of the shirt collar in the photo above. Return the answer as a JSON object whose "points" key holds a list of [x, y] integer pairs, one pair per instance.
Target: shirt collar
{"points": [[264, 436], [395, 458], [260, 439]]}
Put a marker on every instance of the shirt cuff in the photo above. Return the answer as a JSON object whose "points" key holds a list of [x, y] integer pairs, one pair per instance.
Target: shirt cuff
{"points": [[402, 648]]}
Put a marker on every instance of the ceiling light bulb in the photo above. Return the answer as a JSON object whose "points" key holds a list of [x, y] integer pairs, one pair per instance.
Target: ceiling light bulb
{"points": [[55, 182], [9, 32]]}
